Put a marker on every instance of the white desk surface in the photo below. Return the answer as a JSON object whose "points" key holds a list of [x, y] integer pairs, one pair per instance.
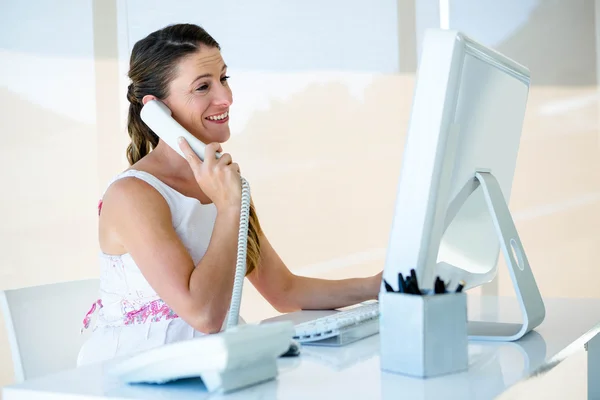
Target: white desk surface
{"points": [[353, 372]]}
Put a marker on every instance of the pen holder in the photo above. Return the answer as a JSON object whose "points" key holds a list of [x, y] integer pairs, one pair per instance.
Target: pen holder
{"points": [[423, 335]]}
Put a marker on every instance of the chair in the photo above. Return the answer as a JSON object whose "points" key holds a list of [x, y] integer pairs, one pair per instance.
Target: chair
{"points": [[44, 325]]}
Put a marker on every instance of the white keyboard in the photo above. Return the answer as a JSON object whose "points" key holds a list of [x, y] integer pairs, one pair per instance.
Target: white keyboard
{"points": [[353, 324]]}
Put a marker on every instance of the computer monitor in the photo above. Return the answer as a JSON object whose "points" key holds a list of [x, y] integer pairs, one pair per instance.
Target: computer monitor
{"points": [[451, 214]]}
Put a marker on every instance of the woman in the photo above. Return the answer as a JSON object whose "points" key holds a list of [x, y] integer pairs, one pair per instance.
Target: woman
{"points": [[168, 226]]}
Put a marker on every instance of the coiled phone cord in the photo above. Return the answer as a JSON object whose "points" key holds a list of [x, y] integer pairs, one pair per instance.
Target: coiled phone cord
{"points": [[240, 266]]}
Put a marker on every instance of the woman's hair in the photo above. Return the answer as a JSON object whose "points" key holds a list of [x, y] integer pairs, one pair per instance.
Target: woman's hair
{"points": [[152, 66]]}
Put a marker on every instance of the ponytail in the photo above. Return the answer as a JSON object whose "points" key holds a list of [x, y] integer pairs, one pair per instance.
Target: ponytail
{"points": [[143, 140], [253, 246]]}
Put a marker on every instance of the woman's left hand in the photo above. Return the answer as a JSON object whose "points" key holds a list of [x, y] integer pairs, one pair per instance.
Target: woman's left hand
{"points": [[375, 284]]}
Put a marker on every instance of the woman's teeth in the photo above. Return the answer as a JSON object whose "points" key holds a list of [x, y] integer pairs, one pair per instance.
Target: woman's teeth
{"points": [[218, 117]]}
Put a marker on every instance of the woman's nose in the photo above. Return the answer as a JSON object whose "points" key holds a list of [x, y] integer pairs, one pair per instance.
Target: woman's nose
{"points": [[223, 97]]}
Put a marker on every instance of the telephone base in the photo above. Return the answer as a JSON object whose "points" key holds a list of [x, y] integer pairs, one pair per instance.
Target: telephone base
{"points": [[230, 380], [239, 357]]}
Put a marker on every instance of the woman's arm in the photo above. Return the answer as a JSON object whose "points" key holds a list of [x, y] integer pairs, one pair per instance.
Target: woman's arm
{"points": [[140, 219], [288, 292]]}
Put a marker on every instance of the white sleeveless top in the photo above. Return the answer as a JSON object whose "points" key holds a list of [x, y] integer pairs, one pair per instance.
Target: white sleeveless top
{"points": [[131, 317]]}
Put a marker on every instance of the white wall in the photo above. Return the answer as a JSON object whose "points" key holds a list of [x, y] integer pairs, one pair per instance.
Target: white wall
{"points": [[555, 39], [285, 36], [491, 21], [47, 55], [48, 158]]}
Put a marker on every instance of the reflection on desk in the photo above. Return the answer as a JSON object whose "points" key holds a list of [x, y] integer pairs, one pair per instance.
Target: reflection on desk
{"points": [[568, 378], [493, 367]]}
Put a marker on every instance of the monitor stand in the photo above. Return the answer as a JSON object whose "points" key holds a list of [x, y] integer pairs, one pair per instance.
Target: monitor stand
{"points": [[528, 294]]}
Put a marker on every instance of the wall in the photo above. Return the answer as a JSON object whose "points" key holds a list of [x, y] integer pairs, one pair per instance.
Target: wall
{"points": [[555, 39], [319, 117], [48, 161]]}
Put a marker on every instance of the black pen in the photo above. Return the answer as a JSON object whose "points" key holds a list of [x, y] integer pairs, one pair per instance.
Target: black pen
{"points": [[387, 286], [409, 286], [413, 275], [414, 281], [401, 283], [438, 287]]}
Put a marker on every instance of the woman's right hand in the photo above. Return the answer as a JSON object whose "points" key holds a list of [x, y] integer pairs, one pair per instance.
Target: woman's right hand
{"points": [[219, 179]]}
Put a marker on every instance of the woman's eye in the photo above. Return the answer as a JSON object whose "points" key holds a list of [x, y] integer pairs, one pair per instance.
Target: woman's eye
{"points": [[206, 86]]}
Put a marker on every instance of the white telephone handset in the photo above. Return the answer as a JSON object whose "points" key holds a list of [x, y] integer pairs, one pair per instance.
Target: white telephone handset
{"points": [[158, 117], [238, 357]]}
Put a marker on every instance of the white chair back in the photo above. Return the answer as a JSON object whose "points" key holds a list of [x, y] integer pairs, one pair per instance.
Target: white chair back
{"points": [[44, 325]]}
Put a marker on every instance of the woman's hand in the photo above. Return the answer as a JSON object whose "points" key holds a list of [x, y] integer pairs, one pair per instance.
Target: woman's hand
{"points": [[375, 284], [219, 178]]}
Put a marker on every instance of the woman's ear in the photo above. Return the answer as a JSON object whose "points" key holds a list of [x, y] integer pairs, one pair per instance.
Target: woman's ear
{"points": [[147, 98]]}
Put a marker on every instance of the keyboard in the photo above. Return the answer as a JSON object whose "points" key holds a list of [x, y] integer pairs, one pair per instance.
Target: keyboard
{"points": [[341, 328]]}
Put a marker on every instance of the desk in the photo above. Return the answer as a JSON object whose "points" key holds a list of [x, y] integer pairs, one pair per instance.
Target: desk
{"points": [[352, 372]]}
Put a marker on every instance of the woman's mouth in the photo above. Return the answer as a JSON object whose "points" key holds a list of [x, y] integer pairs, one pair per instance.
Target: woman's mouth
{"points": [[219, 118]]}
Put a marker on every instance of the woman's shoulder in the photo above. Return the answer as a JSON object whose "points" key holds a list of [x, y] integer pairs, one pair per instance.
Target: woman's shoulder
{"points": [[135, 188], [130, 180], [128, 188]]}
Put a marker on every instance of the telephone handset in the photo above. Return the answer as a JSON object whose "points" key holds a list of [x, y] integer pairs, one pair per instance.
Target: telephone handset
{"points": [[159, 118]]}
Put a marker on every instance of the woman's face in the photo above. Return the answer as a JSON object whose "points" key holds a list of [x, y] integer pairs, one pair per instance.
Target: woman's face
{"points": [[199, 96]]}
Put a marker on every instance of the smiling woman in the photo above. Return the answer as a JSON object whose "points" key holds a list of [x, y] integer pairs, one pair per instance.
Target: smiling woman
{"points": [[168, 226]]}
